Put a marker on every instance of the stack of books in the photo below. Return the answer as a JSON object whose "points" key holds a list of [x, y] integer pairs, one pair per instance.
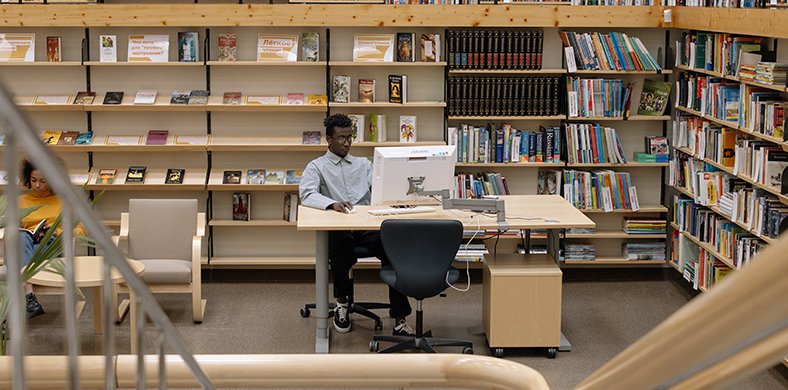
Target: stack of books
{"points": [[771, 73], [644, 250], [579, 252], [471, 253], [644, 225]]}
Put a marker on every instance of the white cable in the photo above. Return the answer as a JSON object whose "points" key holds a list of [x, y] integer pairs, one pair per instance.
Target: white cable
{"points": [[467, 263]]}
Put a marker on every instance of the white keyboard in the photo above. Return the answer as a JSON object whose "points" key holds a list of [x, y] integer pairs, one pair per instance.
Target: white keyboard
{"points": [[402, 210]]}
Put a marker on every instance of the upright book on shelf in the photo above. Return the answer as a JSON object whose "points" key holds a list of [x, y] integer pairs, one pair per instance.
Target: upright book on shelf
{"points": [[377, 128], [136, 174], [145, 96], [277, 47], [174, 176], [358, 127], [373, 48], [53, 49], [242, 206], [149, 48], [188, 43], [341, 89], [108, 49], [430, 47], [398, 88], [405, 50], [157, 137], [310, 47], [366, 91], [227, 47], [407, 128]]}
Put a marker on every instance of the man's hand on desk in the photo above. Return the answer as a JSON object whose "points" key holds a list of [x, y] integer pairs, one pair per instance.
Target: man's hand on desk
{"points": [[342, 207]]}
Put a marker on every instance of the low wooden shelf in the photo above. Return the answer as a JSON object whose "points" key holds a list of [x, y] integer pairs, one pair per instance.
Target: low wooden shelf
{"points": [[389, 64], [612, 261], [622, 72], [193, 180], [631, 164], [41, 63], [612, 235], [507, 71], [508, 118], [145, 63], [388, 105], [252, 223], [621, 118], [643, 209], [510, 165], [308, 64]]}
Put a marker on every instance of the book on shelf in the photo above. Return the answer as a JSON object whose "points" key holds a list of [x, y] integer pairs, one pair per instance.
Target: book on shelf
{"points": [[310, 46], [263, 100], [106, 176], [377, 128], [231, 177], [174, 176], [148, 48], [593, 144], [51, 137], [479, 185], [644, 250], [609, 51], [762, 111], [407, 128], [54, 53], [198, 97], [51, 99], [277, 47], [358, 127], [79, 179], [68, 138], [654, 97], [192, 139], [157, 137], [717, 52], [108, 48], [548, 181], [180, 96], [644, 225], [771, 73], [255, 176], [656, 145], [295, 98], [504, 144], [310, 137], [293, 176], [113, 97], [747, 64], [579, 252], [341, 89], [24, 47], [146, 96], [274, 177], [598, 97], [366, 91], [430, 47], [504, 96], [373, 47], [600, 190], [406, 52], [136, 174], [232, 98], [85, 97], [122, 140], [227, 45], [317, 99], [290, 209], [398, 89], [188, 46], [84, 138], [242, 206]]}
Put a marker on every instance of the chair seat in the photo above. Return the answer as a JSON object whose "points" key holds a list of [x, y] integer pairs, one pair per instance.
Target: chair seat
{"points": [[388, 275], [160, 271]]}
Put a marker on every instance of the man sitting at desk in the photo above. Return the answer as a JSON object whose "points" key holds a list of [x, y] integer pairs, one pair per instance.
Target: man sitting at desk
{"points": [[338, 181]]}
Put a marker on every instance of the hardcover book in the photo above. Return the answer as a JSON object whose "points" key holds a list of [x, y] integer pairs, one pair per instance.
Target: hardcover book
{"points": [[274, 177], [108, 48], [377, 128], [398, 87], [366, 91], [123, 140], [50, 137], [405, 49], [295, 98], [198, 96], [114, 97], [19, 47], [52, 99], [277, 47], [136, 174], [430, 47], [157, 137], [341, 89], [68, 138], [310, 49], [263, 99], [85, 138], [174, 176], [317, 99], [407, 128], [241, 206], [231, 177], [358, 127], [255, 176], [106, 176], [232, 98], [187, 46], [53, 49], [227, 47], [656, 145], [180, 97], [310, 138], [149, 48], [654, 97], [84, 97], [290, 210], [373, 48], [192, 139], [146, 96], [293, 176]]}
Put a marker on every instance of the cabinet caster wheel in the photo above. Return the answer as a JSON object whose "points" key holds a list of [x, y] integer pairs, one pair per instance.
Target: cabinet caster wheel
{"points": [[498, 352], [552, 352], [305, 313], [467, 351], [374, 346]]}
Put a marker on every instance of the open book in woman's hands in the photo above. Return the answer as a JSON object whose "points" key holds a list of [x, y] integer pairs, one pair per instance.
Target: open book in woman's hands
{"points": [[38, 232]]}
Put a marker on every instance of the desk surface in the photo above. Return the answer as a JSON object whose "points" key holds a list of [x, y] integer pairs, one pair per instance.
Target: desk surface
{"points": [[88, 272], [522, 212]]}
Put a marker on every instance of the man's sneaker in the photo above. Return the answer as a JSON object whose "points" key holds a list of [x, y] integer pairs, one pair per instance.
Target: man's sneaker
{"points": [[342, 317], [403, 329], [33, 307]]}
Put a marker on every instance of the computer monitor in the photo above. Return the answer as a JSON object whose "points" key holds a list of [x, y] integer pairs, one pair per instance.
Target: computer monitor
{"points": [[399, 173]]}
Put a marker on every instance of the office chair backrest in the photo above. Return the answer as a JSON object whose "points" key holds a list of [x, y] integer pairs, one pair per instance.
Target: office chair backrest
{"points": [[421, 252], [162, 228]]}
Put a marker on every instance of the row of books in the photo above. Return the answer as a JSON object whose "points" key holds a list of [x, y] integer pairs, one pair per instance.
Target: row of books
{"points": [[601, 190], [593, 143], [579, 252], [696, 264], [397, 89], [495, 49], [598, 97], [761, 161], [762, 111], [376, 130], [640, 225], [479, 185], [606, 51], [505, 145], [182, 97], [162, 137], [644, 250], [263, 176], [712, 96], [242, 207], [760, 211], [504, 96], [718, 52], [705, 139], [135, 175], [772, 73]]}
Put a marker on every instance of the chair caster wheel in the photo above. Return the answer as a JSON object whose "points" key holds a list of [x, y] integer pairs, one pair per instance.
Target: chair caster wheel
{"points": [[374, 346], [552, 352], [498, 352], [305, 313], [198, 322], [467, 351]]}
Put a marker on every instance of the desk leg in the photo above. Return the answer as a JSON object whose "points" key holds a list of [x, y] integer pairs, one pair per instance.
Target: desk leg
{"points": [[98, 310], [321, 291], [553, 248]]}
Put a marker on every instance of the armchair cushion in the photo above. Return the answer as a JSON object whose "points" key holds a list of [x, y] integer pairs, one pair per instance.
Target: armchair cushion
{"points": [[160, 271], [162, 228]]}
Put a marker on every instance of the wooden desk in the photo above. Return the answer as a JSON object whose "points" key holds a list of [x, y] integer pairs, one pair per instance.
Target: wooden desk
{"points": [[550, 212]]}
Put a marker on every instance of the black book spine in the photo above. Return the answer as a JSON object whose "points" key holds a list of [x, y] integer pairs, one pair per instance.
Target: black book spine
{"points": [[509, 50], [556, 95], [483, 97], [462, 88], [463, 49], [529, 50], [518, 49], [497, 50], [529, 97], [474, 53], [516, 95], [539, 43], [490, 52], [450, 48], [452, 97]]}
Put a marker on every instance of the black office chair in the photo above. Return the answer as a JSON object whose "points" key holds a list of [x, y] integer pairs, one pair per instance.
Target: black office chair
{"points": [[421, 253], [362, 308]]}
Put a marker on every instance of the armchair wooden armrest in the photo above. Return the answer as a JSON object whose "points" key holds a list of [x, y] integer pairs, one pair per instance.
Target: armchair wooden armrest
{"points": [[124, 229], [198, 304]]}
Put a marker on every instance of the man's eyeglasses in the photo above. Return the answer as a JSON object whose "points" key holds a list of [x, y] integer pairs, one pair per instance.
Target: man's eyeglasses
{"points": [[344, 140]]}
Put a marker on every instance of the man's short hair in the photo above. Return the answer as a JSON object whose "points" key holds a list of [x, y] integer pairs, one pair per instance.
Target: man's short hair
{"points": [[334, 121]]}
